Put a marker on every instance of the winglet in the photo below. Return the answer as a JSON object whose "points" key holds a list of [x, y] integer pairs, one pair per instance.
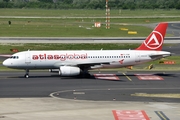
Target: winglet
{"points": [[155, 40]]}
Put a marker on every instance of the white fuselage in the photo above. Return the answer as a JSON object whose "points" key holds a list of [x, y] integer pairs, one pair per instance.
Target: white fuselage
{"points": [[93, 58]]}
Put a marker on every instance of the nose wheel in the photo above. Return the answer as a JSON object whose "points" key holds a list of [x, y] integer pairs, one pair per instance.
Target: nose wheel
{"points": [[27, 73], [26, 76]]}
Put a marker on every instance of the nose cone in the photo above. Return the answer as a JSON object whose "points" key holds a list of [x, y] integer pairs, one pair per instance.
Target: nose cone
{"points": [[6, 63]]}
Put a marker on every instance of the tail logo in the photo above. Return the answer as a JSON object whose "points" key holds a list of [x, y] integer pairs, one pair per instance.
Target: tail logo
{"points": [[155, 40]]}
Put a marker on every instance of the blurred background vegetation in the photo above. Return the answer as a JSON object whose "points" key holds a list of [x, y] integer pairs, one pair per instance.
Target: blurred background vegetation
{"points": [[91, 4]]}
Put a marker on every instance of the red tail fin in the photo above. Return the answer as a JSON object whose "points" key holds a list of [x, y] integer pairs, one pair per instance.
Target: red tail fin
{"points": [[155, 40]]}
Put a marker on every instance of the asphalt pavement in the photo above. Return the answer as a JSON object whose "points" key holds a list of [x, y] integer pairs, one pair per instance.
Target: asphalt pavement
{"points": [[106, 95]]}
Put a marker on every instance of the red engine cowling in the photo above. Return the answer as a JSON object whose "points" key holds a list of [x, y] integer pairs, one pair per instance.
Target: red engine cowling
{"points": [[69, 71]]}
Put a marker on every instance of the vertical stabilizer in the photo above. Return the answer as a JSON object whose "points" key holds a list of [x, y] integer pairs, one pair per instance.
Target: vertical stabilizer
{"points": [[155, 40]]}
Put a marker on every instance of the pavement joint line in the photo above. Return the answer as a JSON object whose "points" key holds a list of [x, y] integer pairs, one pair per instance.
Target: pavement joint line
{"points": [[127, 77]]}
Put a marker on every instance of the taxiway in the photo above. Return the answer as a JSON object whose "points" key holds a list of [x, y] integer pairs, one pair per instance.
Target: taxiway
{"points": [[48, 96]]}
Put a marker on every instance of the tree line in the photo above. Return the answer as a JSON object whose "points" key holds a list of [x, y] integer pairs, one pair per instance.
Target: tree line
{"points": [[91, 4]]}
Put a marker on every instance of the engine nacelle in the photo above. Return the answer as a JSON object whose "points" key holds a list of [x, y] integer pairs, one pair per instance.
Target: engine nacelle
{"points": [[69, 71]]}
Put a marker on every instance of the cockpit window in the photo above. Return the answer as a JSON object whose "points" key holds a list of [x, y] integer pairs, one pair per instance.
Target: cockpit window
{"points": [[14, 57]]}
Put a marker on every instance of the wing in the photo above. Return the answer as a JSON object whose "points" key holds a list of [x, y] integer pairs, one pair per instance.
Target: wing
{"points": [[94, 65], [83, 65]]}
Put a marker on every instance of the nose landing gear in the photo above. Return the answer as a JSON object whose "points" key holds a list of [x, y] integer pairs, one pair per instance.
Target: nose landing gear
{"points": [[27, 73]]}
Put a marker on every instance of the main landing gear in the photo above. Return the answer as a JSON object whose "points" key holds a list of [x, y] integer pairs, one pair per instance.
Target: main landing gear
{"points": [[27, 73], [85, 74]]}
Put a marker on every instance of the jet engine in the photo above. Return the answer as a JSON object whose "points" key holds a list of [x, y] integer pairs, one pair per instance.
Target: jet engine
{"points": [[69, 71]]}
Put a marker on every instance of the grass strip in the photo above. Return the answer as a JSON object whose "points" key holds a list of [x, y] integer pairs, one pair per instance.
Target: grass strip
{"points": [[87, 12]]}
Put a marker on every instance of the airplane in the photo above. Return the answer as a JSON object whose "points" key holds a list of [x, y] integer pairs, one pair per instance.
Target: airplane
{"points": [[78, 62]]}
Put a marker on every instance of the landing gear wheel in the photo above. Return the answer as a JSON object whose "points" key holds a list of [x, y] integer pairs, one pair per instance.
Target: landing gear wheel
{"points": [[27, 74]]}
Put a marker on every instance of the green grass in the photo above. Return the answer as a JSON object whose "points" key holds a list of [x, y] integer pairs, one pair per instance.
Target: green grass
{"points": [[67, 28], [63, 28], [86, 13], [79, 27], [5, 48]]}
